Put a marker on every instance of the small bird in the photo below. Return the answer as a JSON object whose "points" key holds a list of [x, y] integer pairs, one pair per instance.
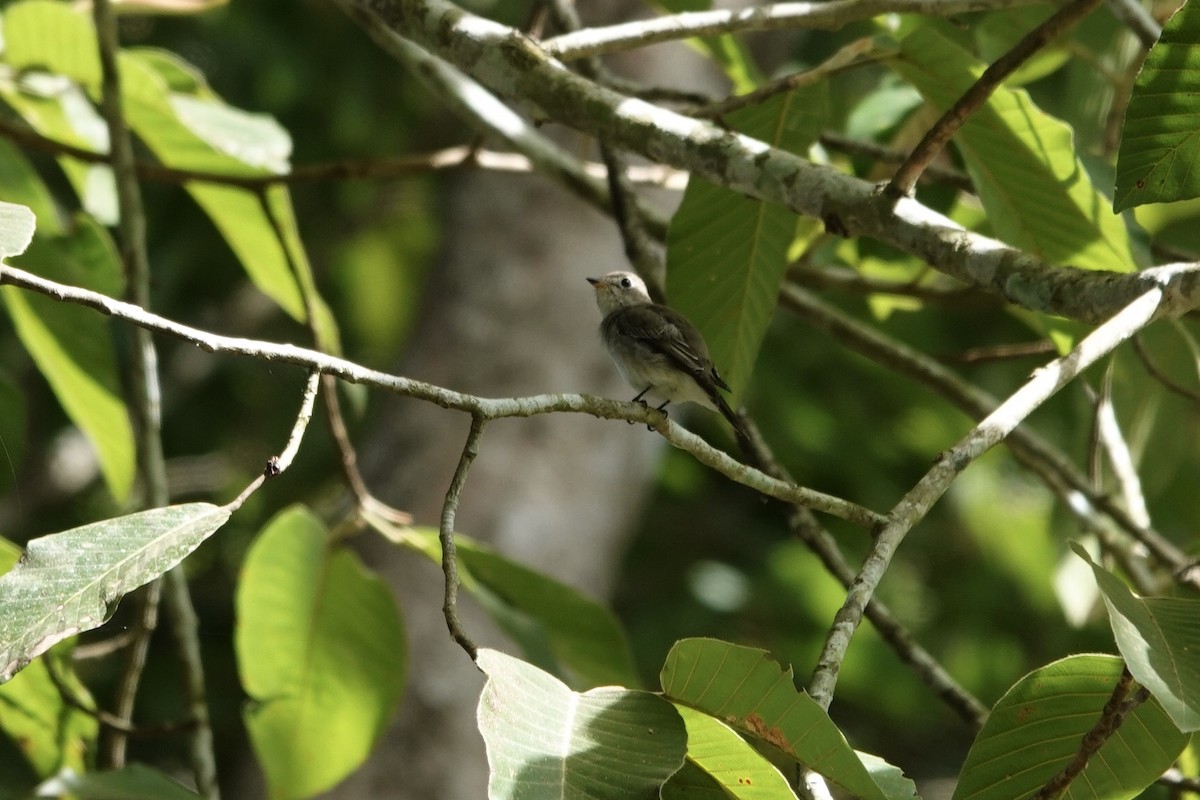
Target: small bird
{"points": [[657, 350]]}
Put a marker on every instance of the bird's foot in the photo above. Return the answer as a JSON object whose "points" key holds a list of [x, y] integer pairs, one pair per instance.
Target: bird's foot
{"points": [[640, 402], [663, 409]]}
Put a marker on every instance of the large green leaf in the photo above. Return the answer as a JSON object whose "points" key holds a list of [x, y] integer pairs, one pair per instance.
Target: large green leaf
{"points": [[727, 254], [1160, 142], [73, 346], [746, 689], [560, 630], [1037, 194], [1160, 640], [321, 652], [183, 122], [545, 742], [1035, 729], [69, 582]]}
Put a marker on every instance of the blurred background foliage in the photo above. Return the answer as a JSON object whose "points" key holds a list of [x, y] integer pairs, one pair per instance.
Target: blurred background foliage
{"points": [[975, 582]]}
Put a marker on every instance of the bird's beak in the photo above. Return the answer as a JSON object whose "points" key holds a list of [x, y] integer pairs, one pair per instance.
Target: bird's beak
{"points": [[593, 281]]}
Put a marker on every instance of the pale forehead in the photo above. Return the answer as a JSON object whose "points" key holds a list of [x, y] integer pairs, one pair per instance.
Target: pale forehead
{"points": [[617, 277]]}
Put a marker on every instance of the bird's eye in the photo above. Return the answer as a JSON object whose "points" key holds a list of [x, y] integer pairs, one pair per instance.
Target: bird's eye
{"points": [[626, 283]]}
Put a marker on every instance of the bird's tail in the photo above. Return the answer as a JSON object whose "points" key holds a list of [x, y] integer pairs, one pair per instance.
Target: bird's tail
{"points": [[744, 440]]}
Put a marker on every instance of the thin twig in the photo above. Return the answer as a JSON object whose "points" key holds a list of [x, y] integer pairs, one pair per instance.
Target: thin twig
{"points": [[105, 718], [145, 393], [1123, 700], [856, 54], [935, 138], [1169, 383], [913, 507], [446, 535], [1133, 15], [146, 402], [934, 173]]}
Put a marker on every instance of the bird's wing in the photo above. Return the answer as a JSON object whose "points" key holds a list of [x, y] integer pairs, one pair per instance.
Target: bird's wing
{"points": [[669, 332]]}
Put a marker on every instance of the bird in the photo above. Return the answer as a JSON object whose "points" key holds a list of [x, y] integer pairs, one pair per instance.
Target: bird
{"points": [[657, 350]]}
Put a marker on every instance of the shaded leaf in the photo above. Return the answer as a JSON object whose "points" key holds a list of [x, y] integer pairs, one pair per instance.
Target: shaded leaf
{"points": [[1037, 193], [321, 652], [746, 689], [69, 582], [1035, 729], [559, 629], [545, 742], [1160, 640], [1160, 141], [727, 254], [73, 346]]}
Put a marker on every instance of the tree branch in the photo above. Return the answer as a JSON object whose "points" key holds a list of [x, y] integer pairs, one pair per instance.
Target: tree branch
{"points": [[510, 64], [913, 507], [490, 408], [778, 16], [1027, 446]]}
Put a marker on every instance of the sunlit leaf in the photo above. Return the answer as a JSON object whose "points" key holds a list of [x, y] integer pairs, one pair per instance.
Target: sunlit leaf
{"points": [[70, 582], [545, 742], [321, 652], [738, 769], [16, 228], [1036, 191]]}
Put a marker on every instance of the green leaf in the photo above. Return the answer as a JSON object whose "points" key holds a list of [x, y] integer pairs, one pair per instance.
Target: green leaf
{"points": [[69, 582], [725, 756], [1035, 730], [50, 734], [134, 782], [17, 224], [190, 129], [744, 688], [558, 629], [321, 652], [72, 346], [1160, 640], [1037, 193], [23, 185], [1159, 141], [727, 254], [545, 742]]}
